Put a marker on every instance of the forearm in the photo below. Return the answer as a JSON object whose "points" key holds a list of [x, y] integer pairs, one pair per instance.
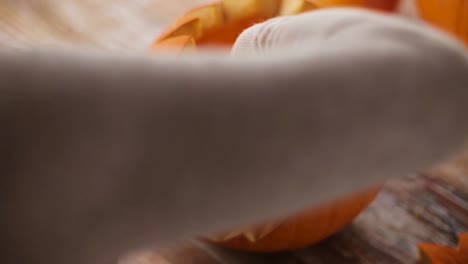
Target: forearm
{"points": [[113, 152]]}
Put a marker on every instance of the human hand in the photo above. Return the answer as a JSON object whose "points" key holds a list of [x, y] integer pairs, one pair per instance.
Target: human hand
{"points": [[108, 152]]}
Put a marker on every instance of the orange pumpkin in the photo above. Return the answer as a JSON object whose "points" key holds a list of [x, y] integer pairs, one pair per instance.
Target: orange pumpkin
{"points": [[299, 230], [440, 254], [448, 15], [219, 24]]}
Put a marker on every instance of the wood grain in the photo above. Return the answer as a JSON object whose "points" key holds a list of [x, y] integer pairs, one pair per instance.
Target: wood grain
{"points": [[107, 24], [411, 210]]}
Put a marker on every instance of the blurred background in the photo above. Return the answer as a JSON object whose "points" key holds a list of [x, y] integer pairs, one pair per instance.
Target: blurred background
{"points": [[106, 24]]}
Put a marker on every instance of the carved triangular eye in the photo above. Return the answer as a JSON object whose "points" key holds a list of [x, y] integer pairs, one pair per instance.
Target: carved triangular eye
{"points": [[251, 234]]}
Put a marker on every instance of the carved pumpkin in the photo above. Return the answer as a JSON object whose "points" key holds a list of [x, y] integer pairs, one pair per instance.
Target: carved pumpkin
{"points": [[219, 24], [300, 230]]}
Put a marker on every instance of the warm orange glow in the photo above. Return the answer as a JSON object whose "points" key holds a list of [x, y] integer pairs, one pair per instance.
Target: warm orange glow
{"points": [[448, 15], [221, 22]]}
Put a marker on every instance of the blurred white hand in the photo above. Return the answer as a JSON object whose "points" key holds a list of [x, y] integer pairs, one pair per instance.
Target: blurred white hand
{"points": [[341, 27]]}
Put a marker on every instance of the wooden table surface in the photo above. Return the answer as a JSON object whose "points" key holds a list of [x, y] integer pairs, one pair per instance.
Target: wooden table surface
{"points": [[432, 206], [428, 207], [108, 24]]}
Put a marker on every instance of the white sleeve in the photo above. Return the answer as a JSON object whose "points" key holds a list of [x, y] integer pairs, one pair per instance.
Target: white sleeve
{"points": [[103, 153]]}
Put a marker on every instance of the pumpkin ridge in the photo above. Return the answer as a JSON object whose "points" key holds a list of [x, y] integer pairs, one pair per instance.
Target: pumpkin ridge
{"points": [[463, 22]]}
